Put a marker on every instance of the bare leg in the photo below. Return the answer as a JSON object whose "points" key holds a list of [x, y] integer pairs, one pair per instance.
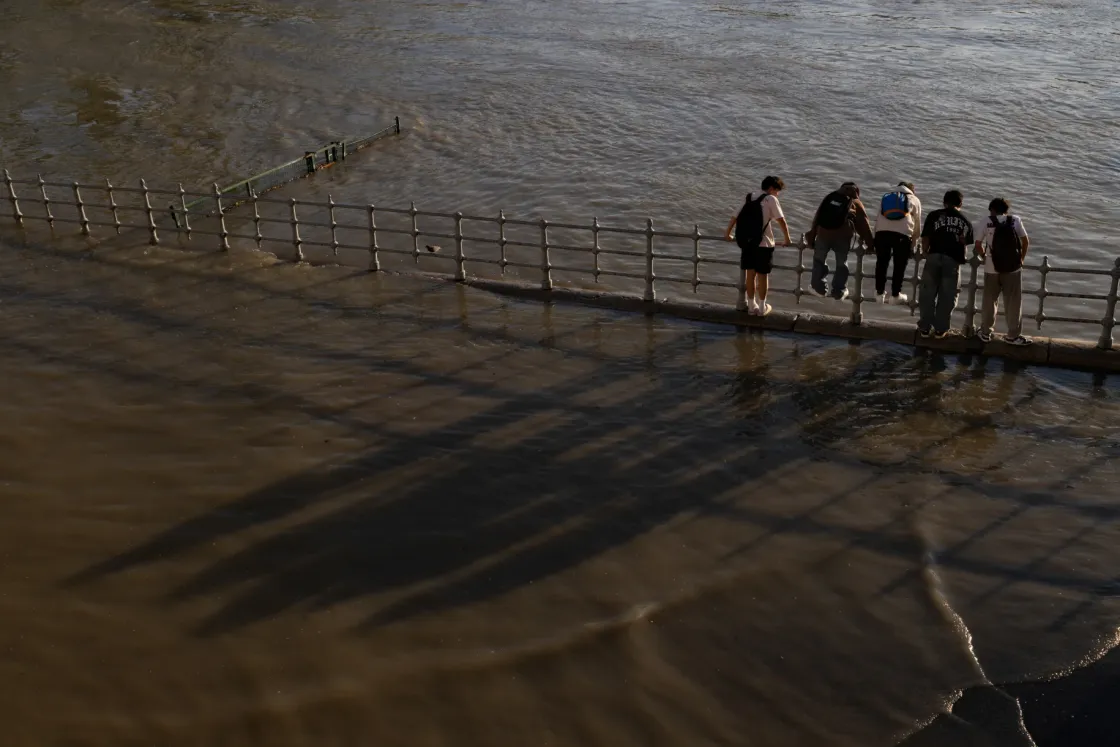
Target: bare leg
{"points": [[762, 287], [751, 275]]}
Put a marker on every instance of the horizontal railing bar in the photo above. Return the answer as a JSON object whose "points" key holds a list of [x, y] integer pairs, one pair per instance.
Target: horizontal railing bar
{"points": [[677, 257], [571, 226], [485, 261], [1065, 319], [433, 235], [717, 261], [528, 244], [523, 265], [1079, 271], [622, 274], [622, 253], [566, 248], [1080, 296]]}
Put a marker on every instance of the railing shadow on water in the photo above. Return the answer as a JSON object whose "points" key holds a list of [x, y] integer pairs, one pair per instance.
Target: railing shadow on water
{"points": [[508, 480], [644, 259], [510, 532]]}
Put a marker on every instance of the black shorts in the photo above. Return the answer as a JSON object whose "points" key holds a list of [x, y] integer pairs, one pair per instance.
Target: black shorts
{"points": [[758, 258]]}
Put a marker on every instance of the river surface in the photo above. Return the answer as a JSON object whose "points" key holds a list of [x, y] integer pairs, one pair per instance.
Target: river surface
{"points": [[248, 503]]}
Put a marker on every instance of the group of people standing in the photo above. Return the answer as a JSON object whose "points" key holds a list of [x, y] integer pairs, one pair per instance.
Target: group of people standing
{"points": [[899, 231]]}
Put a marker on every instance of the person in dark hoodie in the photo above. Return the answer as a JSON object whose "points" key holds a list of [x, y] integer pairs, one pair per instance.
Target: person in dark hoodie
{"points": [[841, 216]]}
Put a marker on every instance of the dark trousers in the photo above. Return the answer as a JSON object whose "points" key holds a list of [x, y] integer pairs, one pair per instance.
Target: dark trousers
{"points": [[891, 245]]}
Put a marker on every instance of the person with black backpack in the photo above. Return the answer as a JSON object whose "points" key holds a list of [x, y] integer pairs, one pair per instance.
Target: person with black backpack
{"points": [[755, 237], [1003, 245], [839, 217]]}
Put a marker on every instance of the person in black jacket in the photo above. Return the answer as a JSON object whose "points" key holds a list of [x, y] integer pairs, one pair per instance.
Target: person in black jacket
{"points": [[945, 235]]}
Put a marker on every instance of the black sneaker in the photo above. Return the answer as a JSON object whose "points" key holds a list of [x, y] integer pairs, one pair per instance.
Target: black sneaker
{"points": [[984, 335], [1019, 341], [923, 332]]}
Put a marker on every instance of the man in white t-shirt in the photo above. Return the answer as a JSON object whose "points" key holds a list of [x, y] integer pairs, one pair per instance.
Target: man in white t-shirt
{"points": [[1003, 243], [754, 234]]}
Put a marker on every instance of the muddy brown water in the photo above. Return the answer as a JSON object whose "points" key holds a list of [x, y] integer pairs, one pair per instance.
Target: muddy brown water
{"points": [[245, 503]]}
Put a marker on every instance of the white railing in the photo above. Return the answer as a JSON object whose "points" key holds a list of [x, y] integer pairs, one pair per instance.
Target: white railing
{"points": [[603, 252]]}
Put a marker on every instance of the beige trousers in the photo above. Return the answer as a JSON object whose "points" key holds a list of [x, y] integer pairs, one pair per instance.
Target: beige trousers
{"points": [[1010, 285]]}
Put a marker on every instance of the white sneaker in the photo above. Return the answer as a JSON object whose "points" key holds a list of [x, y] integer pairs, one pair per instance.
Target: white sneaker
{"points": [[764, 309], [881, 298], [900, 300], [752, 307], [844, 295]]}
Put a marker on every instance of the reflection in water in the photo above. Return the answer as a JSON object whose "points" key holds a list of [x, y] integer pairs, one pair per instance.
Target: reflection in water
{"points": [[301, 502]]}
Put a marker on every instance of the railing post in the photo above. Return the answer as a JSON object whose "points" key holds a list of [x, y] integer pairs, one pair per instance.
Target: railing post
{"points": [[695, 258], [595, 249], [649, 294], [741, 285], [397, 124], [297, 242], [334, 225], [113, 206], [46, 201], [1109, 320], [342, 147], [415, 233], [153, 236], [915, 280], [174, 216], [309, 161], [257, 235], [460, 260], [857, 297], [223, 234], [502, 261], [1043, 271], [182, 204], [798, 292], [17, 216], [374, 259], [546, 266], [970, 310], [82, 219]]}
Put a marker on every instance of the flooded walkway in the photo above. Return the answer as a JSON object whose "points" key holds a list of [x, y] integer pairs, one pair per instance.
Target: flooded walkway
{"points": [[252, 503]]}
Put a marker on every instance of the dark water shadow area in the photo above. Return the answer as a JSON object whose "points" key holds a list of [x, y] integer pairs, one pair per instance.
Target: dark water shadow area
{"points": [[498, 445]]}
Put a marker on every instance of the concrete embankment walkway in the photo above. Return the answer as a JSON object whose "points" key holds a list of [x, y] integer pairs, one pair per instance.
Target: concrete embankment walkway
{"points": [[1046, 351]]}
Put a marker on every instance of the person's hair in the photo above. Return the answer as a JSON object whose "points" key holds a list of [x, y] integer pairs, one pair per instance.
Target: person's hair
{"points": [[954, 198], [999, 206], [773, 182], [850, 186], [908, 185]]}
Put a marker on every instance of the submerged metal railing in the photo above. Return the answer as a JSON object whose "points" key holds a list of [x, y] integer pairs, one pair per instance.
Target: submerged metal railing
{"points": [[521, 244], [311, 161]]}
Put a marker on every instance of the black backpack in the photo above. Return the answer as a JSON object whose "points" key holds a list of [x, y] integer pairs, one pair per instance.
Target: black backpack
{"points": [[749, 226], [834, 211], [1006, 250]]}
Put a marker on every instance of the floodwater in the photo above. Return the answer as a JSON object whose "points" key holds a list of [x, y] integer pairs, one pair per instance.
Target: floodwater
{"points": [[248, 503]]}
